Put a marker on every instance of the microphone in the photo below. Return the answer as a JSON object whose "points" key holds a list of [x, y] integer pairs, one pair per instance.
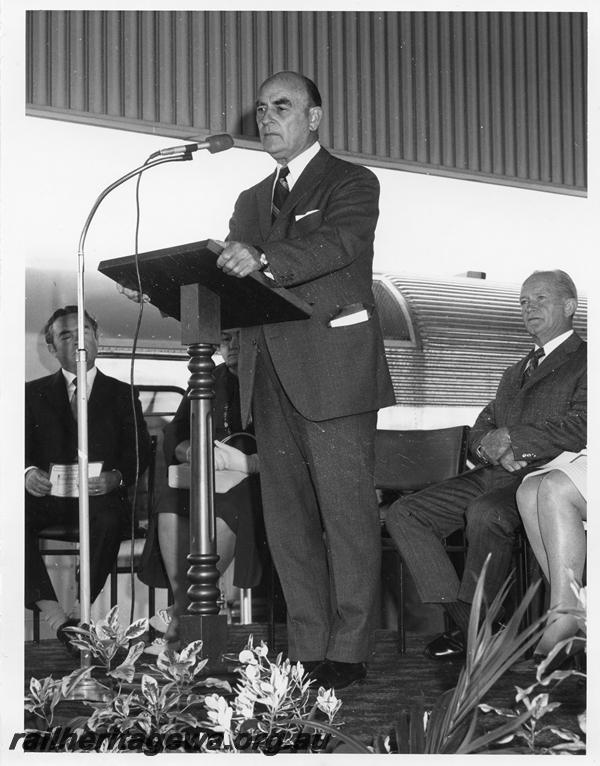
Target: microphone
{"points": [[218, 143]]}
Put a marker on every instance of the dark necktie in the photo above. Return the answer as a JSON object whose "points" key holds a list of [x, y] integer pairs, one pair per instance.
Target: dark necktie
{"points": [[532, 363], [280, 192], [73, 401]]}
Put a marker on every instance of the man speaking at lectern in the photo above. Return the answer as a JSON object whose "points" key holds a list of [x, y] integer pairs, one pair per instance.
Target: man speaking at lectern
{"points": [[314, 386]]}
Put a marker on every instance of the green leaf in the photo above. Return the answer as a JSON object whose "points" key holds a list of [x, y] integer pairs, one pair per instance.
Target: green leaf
{"points": [[35, 687], [483, 742], [150, 689], [191, 650], [124, 672], [136, 629], [112, 618]]}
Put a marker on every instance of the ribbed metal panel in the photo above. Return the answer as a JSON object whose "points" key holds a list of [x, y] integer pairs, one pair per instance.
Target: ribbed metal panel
{"points": [[470, 332], [484, 95]]}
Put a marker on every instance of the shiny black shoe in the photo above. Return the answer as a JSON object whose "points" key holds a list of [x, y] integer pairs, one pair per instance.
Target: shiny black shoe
{"points": [[332, 674], [447, 646], [65, 637]]}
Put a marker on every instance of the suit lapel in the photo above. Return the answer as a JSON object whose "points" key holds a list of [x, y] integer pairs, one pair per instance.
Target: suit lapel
{"points": [[263, 201], [309, 179], [56, 392], [561, 355], [98, 401]]}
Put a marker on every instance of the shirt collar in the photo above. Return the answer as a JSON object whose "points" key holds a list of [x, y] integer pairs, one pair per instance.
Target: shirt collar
{"points": [[90, 378], [299, 163], [554, 343]]}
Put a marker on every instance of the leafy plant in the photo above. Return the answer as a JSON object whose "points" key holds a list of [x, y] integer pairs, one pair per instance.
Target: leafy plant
{"points": [[105, 640], [530, 730], [267, 710], [45, 694], [451, 726], [452, 723], [272, 706], [272, 700]]}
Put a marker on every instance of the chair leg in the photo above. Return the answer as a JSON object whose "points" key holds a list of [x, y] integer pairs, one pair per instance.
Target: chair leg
{"points": [[151, 601], [245, 606], [113, 585], [401, 624], [36, 625]]}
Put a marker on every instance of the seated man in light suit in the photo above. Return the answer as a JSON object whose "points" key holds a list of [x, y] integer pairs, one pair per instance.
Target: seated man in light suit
{"points": [[51, 437], [540, 410]]}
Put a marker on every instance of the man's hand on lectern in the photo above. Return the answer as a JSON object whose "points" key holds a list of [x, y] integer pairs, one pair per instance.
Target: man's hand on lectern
{"points": [[239, 259]]}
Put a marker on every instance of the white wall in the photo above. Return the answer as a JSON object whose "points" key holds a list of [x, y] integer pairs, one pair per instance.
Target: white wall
{"points": [[427, 223]]}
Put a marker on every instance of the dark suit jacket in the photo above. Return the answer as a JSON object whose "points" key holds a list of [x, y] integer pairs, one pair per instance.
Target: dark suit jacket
{"points": [[548, 415], [51, 430], [325, 258]]}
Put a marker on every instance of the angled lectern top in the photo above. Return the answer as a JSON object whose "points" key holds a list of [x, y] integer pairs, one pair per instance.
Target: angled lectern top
{"points": [[244, 302]]}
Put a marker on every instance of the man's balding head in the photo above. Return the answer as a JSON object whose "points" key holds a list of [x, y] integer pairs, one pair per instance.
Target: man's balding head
{"points": [[288, 115]]}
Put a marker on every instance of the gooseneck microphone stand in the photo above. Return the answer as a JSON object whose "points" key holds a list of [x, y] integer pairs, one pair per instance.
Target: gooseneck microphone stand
{"points": [[88, 688]]}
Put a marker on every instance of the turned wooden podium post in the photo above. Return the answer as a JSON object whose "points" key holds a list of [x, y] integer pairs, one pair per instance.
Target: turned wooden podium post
{"points": [[200, 332], [185, 283]]}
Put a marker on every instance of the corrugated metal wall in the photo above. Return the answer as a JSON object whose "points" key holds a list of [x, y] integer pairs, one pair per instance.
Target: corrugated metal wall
{"points": [[496, 96], [469, 332]]}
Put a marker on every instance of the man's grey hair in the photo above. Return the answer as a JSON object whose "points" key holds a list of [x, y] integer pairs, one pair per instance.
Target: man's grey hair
{"points": [[563, 281]]}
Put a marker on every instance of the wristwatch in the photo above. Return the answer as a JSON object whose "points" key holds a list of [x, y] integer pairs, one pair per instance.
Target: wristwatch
{"points": [[264, 264], [480, 455], [121, 481]]}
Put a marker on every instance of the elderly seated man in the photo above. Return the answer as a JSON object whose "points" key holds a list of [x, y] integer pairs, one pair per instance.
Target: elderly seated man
{"points": [[540, 410], [51, 438]]}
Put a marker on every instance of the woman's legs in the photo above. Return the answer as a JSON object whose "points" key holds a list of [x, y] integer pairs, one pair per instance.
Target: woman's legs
{"points": [[527, 502], [561, 509], [225, 545], [174, 537]]}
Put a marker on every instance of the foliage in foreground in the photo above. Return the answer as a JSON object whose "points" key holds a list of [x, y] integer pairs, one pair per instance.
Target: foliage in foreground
{"points": [[272, 708]]}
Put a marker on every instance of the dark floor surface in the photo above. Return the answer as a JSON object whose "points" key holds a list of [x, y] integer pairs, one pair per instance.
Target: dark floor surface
{"points": [[394, 683]]}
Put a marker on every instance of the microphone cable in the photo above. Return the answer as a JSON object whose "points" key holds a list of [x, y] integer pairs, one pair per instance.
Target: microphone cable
{"points": [[133, 396]]}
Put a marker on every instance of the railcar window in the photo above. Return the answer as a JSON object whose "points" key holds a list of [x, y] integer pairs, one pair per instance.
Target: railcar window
{"points": [[394, 316]]}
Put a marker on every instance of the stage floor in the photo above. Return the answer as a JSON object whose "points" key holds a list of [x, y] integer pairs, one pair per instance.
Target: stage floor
{"points": [[394, 683]]}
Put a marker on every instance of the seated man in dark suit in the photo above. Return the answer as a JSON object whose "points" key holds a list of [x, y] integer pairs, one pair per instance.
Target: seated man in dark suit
{"points": [[540, 410], [51, 438]]}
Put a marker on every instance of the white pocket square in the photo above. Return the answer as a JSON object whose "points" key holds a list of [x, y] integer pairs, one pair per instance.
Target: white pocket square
{"points": [[303, 215]]}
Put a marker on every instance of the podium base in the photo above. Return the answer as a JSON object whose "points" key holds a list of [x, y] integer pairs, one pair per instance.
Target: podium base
{"points": [[89, 689], [212, 630]]}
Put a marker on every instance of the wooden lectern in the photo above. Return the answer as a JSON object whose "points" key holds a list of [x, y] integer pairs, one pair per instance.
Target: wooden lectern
{"points": [[185, 283]]}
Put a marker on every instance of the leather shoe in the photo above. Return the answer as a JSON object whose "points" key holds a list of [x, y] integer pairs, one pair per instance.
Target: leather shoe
{"points": [[332, 674], [447, 646], [65, 637]]}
